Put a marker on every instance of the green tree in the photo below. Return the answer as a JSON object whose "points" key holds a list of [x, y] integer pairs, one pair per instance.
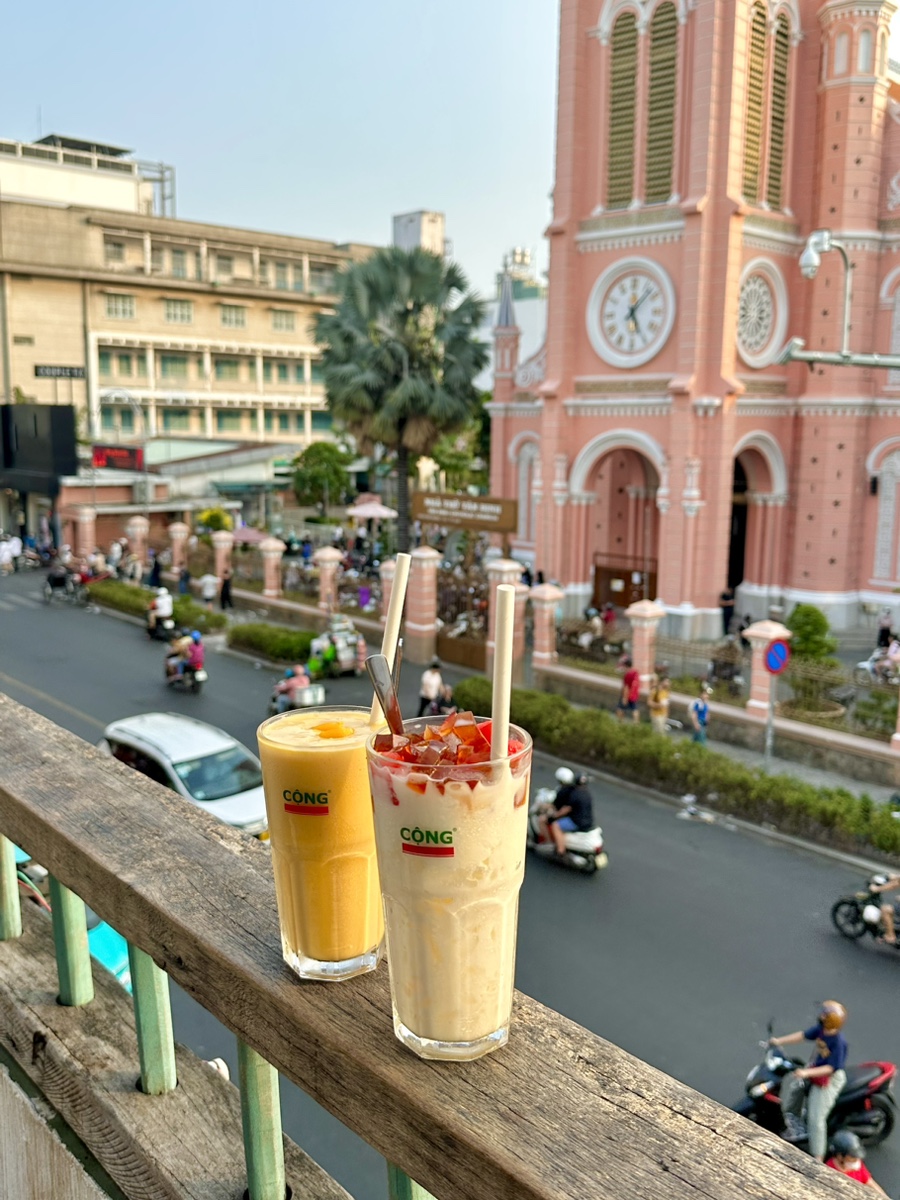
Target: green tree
{"points": [[400, 356], [812, 634], [464, 455], [215, 519], [815, 671], [320, 474]]}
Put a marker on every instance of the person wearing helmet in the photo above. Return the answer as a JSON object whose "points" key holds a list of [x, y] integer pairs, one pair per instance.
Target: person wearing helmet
{"points": [[847, 1155], [295, 679], [196, 653], [887, 908], [160, 609], [825, 1076], [573, 809], [176, 654]]}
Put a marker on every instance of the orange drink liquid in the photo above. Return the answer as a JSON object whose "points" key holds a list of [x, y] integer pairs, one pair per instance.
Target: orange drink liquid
{"points": [[323, 840]]}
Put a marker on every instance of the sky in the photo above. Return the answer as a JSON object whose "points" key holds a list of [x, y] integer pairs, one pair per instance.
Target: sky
{"points": [[320, 118]]}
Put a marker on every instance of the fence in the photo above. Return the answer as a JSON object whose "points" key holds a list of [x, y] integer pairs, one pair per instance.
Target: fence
{"points": [[542, 1120], [463, 597], [836, 697]]}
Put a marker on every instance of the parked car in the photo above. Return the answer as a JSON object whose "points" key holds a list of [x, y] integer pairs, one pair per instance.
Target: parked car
{"points": [[203, 764]]}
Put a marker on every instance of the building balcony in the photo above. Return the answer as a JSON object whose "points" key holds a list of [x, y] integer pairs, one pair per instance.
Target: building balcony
{"points": [[558, 1113]]}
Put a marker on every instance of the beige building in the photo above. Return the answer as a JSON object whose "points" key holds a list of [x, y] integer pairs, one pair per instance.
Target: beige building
{"points": [[151, 325]]}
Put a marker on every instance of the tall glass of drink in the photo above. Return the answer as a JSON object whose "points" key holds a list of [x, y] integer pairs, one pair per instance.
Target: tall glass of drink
{"points": [[323, 841], [450, 826]]}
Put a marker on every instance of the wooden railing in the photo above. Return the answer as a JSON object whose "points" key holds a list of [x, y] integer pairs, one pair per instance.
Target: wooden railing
{"points": [[558, 1113]]}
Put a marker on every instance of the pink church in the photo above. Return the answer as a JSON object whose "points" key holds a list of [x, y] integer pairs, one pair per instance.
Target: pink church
{"points": [[655, 445]]}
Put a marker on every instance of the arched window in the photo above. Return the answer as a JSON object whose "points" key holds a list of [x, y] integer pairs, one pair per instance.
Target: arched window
{"points": [[883, 54], [661, 111], [623, 94], [780, 58], [753, 130], [864, 53], [527, 458], [841, 53]]}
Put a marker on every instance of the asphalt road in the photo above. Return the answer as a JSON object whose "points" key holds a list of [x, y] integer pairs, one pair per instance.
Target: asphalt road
{"points": [[680, 952]]}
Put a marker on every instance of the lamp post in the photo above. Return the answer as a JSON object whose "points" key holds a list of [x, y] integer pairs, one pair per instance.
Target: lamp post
{"points": [[820, 242]]}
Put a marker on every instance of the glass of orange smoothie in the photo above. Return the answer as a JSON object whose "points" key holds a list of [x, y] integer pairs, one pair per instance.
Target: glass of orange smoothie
{"points": [[323, 842], [450, 827]]}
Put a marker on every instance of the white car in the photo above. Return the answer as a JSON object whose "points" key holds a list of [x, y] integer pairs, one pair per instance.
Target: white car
{"points": [[202, 763]]}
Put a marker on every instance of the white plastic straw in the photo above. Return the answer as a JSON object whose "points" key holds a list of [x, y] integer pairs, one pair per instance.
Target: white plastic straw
{"points": [[392, 624], [503, 653]]}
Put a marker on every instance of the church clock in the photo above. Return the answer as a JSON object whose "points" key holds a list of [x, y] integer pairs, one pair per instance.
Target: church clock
{"points": [[630, 312]]}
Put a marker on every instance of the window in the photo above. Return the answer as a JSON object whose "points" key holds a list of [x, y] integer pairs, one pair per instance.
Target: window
{"points": [[267, 371], [179, 264], [318, 371], [321, 279], [284, 422], [156, 259], [224, 264], [780, 59], [622, 87], [124, 364], [661, 114], [228, 368], [864, 53], [264, 273], [841, 53], [281, 276], [173, 366], [179, 312], [198, 265], [233, 316], [753, 129], [300, 372], [118, 307], [321, 420], [229, 421], [282, 372], [269, 421], [299, 285], [282, 321], [126, 420], [141, 364], [105, 361], [107, 417], [114, 251], [176, 420], [23, 339]]}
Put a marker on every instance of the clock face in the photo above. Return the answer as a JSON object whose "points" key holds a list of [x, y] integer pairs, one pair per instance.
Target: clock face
{"points": [[756, 316], [630, 312]]}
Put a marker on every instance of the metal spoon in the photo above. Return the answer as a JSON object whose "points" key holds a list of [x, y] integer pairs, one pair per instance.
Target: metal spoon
{"points": [[380, 674]]}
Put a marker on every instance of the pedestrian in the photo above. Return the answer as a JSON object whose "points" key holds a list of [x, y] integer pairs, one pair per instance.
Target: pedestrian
{"points": [[431, 689], [699, 714], [527, 577], [209, 587], [184, 581], [6, 563], [225, 599], [726, 603], [631, 692], [658, 700], [15, 547], [155, 572], [885, 621]]}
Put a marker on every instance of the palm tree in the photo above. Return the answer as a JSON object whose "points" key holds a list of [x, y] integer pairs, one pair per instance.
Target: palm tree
{"points": [[400, 355]]}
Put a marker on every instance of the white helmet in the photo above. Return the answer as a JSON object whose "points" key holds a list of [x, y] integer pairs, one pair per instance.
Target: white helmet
{"points": [[871, 914], [162, 591], [565, 776]]}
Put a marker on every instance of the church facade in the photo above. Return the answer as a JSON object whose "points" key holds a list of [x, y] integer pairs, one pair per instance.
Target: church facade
{"points": [[656, 444]]}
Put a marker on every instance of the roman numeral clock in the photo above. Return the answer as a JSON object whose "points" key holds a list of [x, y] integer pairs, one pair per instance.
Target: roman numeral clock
{"points": [[630, 312]]}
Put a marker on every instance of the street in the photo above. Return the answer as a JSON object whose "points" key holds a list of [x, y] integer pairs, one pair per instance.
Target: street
{"points": [[680, 952]]}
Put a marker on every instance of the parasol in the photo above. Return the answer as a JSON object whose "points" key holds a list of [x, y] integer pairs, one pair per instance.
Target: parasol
{"points": [[371, 510]]}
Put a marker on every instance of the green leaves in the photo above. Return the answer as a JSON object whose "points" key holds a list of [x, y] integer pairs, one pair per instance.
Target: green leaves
{"points": [[320, 474]]}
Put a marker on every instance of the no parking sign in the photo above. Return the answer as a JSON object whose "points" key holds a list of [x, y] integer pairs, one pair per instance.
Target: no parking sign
{"points": [[777, 656]]}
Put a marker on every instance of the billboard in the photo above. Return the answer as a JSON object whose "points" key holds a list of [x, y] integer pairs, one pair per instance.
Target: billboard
{"points": [[119, 458], [487, 514]]}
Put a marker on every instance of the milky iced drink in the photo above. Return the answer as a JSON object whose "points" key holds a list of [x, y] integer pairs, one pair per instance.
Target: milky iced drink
{"points": [[450, 830]]}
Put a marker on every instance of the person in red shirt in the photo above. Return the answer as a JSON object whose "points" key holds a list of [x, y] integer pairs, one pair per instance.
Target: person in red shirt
{"points": [[847, 1157], [631, 692]]}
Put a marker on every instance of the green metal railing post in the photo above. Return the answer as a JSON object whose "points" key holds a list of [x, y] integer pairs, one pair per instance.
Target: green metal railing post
{"points": [[153, 1022], [261, 1119], [73, 955], [401, 1187], [10, 906]]}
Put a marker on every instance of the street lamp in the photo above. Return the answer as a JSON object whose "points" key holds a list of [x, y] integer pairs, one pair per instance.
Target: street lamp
{"points": [[820, 242]]}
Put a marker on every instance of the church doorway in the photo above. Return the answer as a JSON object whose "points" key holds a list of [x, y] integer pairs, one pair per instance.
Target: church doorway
{"points": [[737, 551], [624, 529]]}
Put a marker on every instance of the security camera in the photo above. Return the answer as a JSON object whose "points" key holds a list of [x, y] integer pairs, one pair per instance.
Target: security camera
{"points": [[810, 261]]}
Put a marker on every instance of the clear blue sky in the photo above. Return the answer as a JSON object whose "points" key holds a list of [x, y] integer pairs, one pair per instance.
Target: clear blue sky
{"points": [[313, 117]]}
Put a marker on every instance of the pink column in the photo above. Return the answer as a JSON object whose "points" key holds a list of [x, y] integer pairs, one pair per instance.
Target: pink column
{"points": [[136, 531], [420, 626], [271, 549], [501, 570], [178, 536], [761, 682], [645, 616], [387, 571], [86, 531], [544, 601], [327, 559], [222, 540]]}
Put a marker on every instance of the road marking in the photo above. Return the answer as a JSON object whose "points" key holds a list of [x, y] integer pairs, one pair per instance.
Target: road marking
{"points": [[48, 699], [24, 601]]}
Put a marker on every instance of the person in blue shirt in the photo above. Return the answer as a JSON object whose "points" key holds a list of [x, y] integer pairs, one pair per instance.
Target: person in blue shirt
{"points": [[825, 1077]]}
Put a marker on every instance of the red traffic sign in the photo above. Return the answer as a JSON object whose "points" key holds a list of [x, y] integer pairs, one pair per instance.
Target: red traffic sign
{"points": [[777, 656]]}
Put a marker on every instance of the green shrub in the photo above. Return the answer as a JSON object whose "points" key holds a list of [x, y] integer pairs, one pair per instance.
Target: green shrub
{"points": [[272, 641], [833, 816], [134, 600]]}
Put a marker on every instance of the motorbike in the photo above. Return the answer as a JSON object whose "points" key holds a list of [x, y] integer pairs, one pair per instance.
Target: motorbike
{"points": [[65, 585], [866, 1105], [162, 631], [875, 669], [584, 851], [308, 697], [860, 914], [191, 679]]}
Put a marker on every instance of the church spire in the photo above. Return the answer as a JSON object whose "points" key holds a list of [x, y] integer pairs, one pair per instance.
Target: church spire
{"points": [[506, 316]]}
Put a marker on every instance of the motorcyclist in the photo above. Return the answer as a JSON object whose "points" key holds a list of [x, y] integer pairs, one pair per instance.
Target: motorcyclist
{"points": [[196, 653], [847, 1157], [286, 689], [825, 1075], [887, 908], [572, 812], [160, 609]]}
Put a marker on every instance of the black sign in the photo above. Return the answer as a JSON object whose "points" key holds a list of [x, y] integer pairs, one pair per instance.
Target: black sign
{"points": [[37, 445], [59, 372], [119, 458]]}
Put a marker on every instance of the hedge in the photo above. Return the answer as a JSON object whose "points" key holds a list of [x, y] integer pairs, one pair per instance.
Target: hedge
{"points": [[272, 641], [833, 816], [134, 600]]}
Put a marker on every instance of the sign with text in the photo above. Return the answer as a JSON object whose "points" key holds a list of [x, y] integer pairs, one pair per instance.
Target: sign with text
{"points": [[59, 372], [119, 458], [487, 514]]}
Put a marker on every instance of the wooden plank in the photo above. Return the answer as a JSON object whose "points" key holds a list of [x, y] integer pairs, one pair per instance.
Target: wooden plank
{"points": [[558, 1113], [185, 1145], [153, 1023], [73, 955], [261, 1116]]}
